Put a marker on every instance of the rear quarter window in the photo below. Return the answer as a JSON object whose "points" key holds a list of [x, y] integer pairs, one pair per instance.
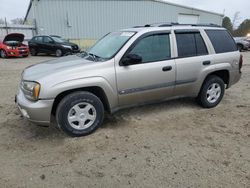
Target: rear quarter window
{"points": [[222, 41]]}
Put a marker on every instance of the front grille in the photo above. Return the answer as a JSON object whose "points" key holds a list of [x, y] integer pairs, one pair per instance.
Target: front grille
{"points": [[22, 48], [22, 52]]}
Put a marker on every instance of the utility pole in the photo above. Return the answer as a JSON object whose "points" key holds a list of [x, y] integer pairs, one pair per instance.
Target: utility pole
{"points": [[6, 26]]}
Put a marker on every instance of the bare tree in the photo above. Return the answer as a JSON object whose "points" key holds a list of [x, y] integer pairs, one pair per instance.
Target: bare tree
{"points": [[17, 21], [236, 19]]}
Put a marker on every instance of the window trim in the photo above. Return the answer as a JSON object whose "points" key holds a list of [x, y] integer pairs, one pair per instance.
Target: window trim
{"points": [[186, 31], [192, 31], [142, 37]]}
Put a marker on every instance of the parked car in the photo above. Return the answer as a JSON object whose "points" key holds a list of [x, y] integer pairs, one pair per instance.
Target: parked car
{"points": [[12, 46], [128, 68], [52, 45], [248, 40], [242, 43]]}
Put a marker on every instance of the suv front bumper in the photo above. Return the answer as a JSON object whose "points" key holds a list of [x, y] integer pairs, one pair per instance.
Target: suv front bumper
{"points": [[38, 112]]}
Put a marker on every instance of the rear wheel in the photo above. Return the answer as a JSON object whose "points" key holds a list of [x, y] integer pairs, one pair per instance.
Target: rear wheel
{"points": [[240, 47], [212, 92], [3, 54], [80, 113]]}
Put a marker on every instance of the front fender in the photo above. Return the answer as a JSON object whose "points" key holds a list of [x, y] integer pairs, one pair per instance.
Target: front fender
{"points": [[54, 90]]}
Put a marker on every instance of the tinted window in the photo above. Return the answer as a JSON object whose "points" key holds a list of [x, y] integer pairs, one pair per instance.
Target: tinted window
{"points": [[153, 48], [190, 44], [47, 40], [200, 45], [38, 39], [222, 41]]}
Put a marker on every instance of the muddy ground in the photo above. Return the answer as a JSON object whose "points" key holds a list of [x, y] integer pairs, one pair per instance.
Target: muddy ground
{"points": [[173, 144]]}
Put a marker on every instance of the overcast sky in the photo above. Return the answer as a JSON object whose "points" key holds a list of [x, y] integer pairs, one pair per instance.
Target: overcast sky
{"points": [[17, 8]]}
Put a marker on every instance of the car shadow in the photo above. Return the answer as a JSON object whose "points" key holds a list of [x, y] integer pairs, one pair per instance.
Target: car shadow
{"points": [[121, 117], [30, 131]]}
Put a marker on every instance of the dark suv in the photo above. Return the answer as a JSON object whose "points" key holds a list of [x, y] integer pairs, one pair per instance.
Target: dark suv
{"points": [[52, 45]]}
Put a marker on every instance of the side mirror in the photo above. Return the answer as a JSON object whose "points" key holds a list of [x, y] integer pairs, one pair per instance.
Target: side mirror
{"points": [[51, 42], [131, 59]]}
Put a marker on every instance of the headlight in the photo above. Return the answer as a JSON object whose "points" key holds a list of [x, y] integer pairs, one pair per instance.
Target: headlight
{"points": [[65, 46], [31, 89], [9, 47]]}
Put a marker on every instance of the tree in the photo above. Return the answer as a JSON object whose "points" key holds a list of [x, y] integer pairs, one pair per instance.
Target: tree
{"points": [[17, 21], [243, 29], [227, 24]]}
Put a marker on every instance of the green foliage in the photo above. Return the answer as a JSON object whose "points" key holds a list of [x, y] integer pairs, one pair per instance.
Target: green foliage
{"points": [[243, 29], [227, 23]]}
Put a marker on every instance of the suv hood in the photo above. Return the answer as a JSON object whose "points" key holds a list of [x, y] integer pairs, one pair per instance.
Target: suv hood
{"points": [[18, 37], [41, 70]]}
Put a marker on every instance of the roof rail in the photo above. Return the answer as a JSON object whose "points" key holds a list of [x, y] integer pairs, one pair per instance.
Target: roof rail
{"points": [[169, 24]]}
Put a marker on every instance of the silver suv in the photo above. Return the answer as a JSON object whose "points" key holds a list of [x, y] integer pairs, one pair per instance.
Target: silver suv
{"points": [[127, 68]]}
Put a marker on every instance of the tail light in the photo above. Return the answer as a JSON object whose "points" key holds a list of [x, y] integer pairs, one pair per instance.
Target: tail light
{"points": [[241, 62]]}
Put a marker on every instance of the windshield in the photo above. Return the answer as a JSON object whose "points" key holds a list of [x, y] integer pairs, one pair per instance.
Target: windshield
{"points": [[109, 45], [58, 39]]}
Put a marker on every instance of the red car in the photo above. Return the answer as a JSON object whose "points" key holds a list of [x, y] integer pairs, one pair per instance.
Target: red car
{"points": [[12, 46]]}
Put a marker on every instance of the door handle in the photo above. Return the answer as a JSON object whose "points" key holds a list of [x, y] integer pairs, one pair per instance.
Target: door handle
{"points": [[167, 68], [206, 62]]}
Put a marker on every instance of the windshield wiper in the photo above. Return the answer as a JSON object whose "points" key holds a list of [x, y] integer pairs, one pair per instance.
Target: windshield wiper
{"points": [[83, 53], [93, 56], [96, 57]]}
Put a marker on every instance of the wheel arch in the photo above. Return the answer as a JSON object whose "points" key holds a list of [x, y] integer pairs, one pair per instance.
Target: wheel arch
{"points": [[224, 74], [96, 90]]}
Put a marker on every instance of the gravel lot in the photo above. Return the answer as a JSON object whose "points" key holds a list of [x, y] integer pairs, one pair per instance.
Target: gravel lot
{"points": [[173, 144]]}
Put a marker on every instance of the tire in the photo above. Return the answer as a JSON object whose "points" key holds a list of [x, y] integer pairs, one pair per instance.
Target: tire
{"points": [[59, 53], [240, 47], [212, 92], [3, 54], [33, 52], [80, 114]]}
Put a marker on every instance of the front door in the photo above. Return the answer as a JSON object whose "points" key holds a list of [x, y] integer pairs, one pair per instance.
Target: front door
{"points": [[48, 45], [154, 77]]}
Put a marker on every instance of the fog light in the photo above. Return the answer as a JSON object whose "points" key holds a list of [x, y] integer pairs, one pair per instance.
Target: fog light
{"points": [[24, 113]]}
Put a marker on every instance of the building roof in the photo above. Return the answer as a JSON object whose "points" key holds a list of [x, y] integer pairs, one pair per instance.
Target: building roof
{"points": [[160, 1], [188, 7]]}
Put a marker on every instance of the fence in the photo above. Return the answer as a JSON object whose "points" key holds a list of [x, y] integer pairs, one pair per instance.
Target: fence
{"points": [[28, 30]]}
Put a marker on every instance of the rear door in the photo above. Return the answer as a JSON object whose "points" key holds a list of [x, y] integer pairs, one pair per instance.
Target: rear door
{"points": [[152, 79], [36, 43], [192, 59]]}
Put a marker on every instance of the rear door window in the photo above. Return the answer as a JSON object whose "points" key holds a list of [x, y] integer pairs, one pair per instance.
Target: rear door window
{"points": [[190, 44], [222, 41]]}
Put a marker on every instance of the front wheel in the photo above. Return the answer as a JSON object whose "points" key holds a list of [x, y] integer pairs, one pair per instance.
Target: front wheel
{"points": [[212, 92], [33, 52], [3, 54], [59, 53], [80, 113]]}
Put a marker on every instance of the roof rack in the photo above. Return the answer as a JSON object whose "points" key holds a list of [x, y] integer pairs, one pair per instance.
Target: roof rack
{"points": [[167, 24]]}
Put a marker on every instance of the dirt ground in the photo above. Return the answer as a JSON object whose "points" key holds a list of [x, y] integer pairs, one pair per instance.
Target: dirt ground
{"points": [[173, 144]]}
